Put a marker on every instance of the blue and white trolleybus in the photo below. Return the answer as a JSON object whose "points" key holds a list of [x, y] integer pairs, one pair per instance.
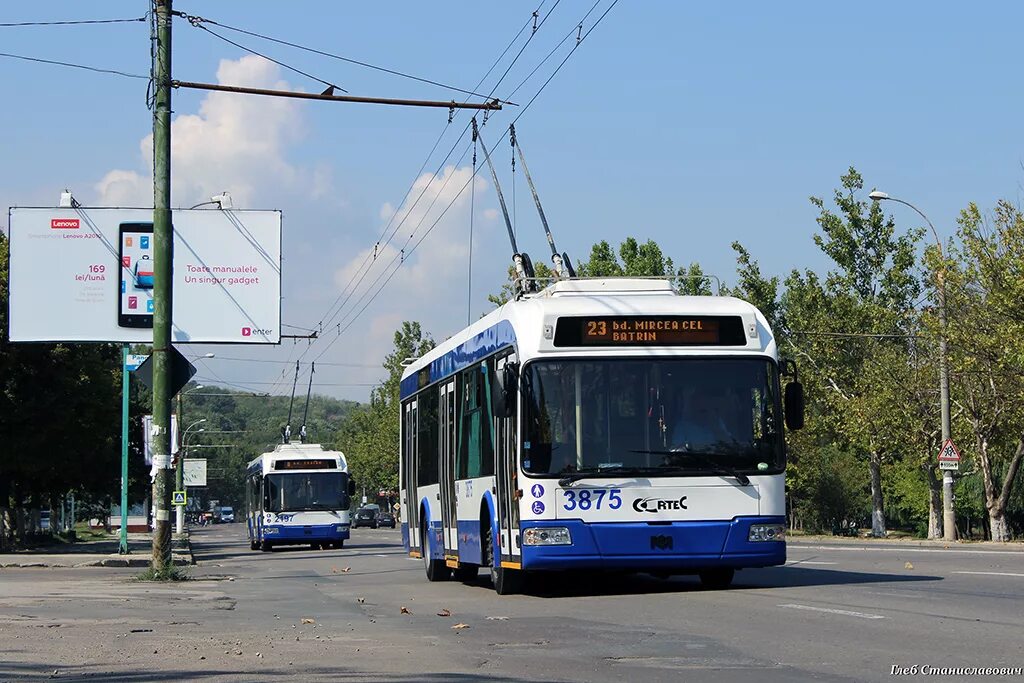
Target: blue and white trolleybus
{"points": [[599, 424], [298, 494]]}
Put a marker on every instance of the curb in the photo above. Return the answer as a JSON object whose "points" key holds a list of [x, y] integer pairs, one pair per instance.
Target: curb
{"points": [[181, 555]]}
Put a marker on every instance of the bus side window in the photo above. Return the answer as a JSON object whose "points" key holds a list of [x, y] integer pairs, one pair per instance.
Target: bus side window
{"points": [[476, 449]]}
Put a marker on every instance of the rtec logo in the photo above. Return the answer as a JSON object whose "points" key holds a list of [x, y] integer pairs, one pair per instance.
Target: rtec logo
{"points": [[658, 504]]}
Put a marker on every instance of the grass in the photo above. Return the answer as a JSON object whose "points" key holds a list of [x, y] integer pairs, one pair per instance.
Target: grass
{"points": [[168, 573]]}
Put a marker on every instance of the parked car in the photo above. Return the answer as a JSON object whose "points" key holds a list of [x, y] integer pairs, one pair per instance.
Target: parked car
{"points": [[365, 517], [386, 519]]}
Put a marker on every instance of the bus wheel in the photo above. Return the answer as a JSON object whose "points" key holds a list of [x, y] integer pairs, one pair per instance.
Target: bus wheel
{"points": [[266, 546], [436, 570], [717, 579], [505, 581], [254, 544]]}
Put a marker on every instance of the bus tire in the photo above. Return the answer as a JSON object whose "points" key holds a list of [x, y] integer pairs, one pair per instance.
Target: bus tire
{"points": [[505, 581], [717, 578], [266, 546], [436, 570], [254, 544]]}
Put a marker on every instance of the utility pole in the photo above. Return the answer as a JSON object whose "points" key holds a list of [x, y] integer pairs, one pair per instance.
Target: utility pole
{"points": [[162, 294], [122, 546], [948, 513]]}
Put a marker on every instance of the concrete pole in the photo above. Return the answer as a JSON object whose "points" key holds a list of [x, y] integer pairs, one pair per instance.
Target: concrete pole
{"points": [[179, 475], [125, 386], [948, 514], [162, 291]]}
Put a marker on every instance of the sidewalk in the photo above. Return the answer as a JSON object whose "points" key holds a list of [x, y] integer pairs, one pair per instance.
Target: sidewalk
{"points": [[100, 553], [919, 542]]}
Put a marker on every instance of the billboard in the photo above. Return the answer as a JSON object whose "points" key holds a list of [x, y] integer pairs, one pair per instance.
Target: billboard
{"points": [[86, 275]]}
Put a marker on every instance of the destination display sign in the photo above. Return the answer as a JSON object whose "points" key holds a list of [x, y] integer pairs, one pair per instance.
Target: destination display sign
{"points": [[311, 464], [650, 330]]}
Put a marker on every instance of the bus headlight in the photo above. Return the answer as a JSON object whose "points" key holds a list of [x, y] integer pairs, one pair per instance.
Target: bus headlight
{"points": [[552, 535], [267, 530], [341, 528], [767, 532]]}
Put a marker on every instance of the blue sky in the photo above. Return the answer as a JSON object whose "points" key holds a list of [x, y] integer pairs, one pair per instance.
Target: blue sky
{"points": [[694, 124]]}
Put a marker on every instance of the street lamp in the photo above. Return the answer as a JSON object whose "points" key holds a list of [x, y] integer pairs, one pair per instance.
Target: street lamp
{"points": [[179, 474], [948, 516]]}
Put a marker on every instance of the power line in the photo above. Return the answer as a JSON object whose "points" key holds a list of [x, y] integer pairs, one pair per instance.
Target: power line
{"points": [[450, 151], [349, 60], [471, 178], [291, 362], [76, 22], [73, 66], [360, 275], [199, 25]]}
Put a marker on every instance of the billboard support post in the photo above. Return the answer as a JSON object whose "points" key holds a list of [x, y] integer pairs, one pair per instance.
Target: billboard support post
{"points": [[123, 545], [162, 294]]}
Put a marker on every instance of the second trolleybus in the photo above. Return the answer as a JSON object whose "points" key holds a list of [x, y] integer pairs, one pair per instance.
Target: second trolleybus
{"points": [[298, 494]]}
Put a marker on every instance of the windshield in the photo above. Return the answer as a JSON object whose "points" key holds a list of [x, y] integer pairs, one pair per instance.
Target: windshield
{"points": [[306, 491], [698, 414]]}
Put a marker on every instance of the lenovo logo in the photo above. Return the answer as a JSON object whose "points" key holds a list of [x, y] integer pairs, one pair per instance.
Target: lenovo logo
{"points": [[64, 224]]}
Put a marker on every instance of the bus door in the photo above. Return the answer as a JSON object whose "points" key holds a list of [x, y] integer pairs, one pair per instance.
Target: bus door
{"points": [[447, 441], [507, 482], [412, 502]]}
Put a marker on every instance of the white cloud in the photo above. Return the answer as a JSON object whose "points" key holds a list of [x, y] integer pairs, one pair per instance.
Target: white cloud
{"points": [[430, 284], [235, 142], [491, 214]]}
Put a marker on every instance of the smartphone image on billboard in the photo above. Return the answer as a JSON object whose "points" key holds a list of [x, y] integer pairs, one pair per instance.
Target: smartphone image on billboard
{"points": [[135, 250]]}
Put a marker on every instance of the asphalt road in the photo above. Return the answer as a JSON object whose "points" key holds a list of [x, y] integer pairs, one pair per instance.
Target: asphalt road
{"points": [[366, 613]]}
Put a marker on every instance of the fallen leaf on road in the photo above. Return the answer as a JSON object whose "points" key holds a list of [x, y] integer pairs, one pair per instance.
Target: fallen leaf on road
{"points": [[360, 600], [908, 566], [460, 626], [405, 610], [497, 618], [308, 620], [444, 613]]}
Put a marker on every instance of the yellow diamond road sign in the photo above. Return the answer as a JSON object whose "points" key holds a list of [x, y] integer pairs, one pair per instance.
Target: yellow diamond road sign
{"points": [[178, 498]]}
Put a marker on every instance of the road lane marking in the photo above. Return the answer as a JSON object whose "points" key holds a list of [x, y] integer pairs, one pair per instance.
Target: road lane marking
{"points": [[791, 563], [828, 610], [1018, 553], [992, 574]]}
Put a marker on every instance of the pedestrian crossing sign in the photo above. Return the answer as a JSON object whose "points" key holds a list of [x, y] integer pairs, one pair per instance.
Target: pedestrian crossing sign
{"points": [[949, 456], [178, 498]]}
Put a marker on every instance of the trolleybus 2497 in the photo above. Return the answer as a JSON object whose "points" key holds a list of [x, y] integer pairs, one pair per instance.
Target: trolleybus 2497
{"points": [[298, 494], [601, 424]]}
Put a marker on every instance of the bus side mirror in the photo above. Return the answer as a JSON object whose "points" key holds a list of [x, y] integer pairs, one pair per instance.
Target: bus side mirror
{"points": [[794, 405], [351, 487], [503, 392]]}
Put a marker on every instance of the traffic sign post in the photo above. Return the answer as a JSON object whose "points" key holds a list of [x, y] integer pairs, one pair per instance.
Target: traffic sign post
{"points": [[949, 456]]}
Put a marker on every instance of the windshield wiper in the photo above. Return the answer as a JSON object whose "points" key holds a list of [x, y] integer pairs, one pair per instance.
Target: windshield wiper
{"points": [[711, 466], [573, 477]]}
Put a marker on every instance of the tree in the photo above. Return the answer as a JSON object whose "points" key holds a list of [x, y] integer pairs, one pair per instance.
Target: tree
{"points": [[370, 436], [984, 285], [871, 290]]}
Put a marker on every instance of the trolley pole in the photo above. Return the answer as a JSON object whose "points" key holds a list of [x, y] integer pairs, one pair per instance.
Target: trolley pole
{"points": [[162, 294]]}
